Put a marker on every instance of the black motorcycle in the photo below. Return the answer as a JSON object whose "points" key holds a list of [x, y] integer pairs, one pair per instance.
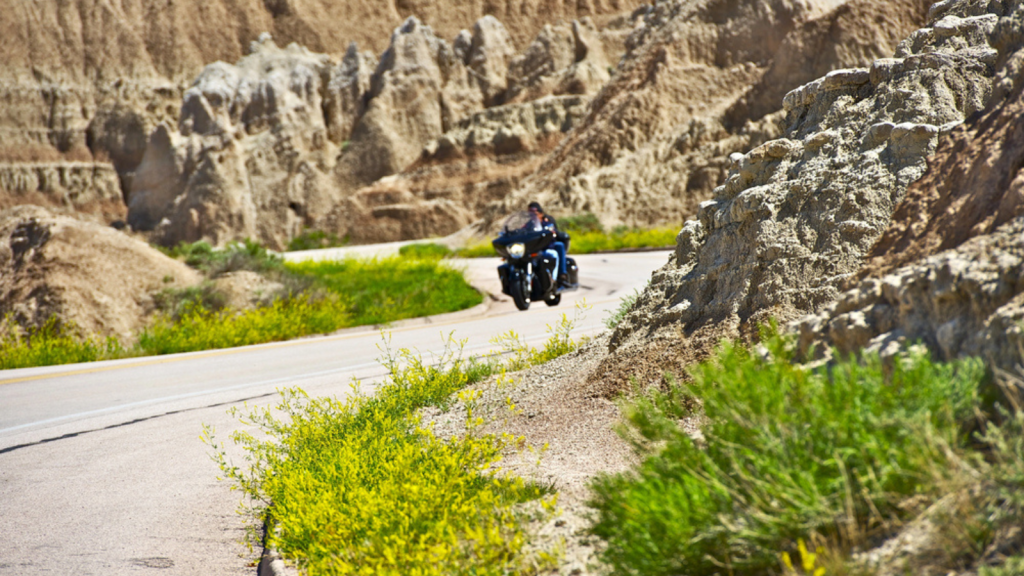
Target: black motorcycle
{"points": [[530, 270]]}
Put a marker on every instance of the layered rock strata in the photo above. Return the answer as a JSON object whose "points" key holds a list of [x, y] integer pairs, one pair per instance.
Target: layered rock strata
{"points": [[285, 140], [84, 81], [478, 162], [797, 214], [702, 80], [89, 189]]}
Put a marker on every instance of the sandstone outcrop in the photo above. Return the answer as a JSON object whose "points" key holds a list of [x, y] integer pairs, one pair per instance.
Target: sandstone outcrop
{"points": [[702, 80], [949, 269], [86, 189], [248, 156], [87, 81], [92, 275], [286, 140], [476, 163], [964, 301], [797, 214]]}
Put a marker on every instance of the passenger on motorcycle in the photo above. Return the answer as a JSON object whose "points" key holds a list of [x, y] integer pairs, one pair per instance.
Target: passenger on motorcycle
{"points": [[561, 243]]}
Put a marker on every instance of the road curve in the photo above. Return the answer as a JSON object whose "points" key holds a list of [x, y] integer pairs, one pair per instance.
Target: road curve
{"points": [[101, 467]]}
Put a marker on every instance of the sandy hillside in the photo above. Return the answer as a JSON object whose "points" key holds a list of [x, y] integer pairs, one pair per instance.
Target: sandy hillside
{"points": [[91, 275]]}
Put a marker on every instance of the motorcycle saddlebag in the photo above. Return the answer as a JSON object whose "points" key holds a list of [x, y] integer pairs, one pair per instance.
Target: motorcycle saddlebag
{"points": [[548, 264], [572, 271]]}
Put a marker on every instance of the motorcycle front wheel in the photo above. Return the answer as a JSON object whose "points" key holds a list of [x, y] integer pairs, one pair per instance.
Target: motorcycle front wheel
{"points": [[520, 292]]}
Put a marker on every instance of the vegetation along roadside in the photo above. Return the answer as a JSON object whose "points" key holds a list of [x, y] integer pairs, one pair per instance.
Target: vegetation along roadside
{"points": [[796, 470], [841, 456], [363, 486], [588, 236], [308, 298]]}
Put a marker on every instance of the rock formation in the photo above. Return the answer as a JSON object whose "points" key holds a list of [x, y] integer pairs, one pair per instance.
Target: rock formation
{"points": [[88, 82], [476, 163], [949, 269], [797, 214], [283, 140], [89, 190], [92, 275], [700, 81], [247, 158]]}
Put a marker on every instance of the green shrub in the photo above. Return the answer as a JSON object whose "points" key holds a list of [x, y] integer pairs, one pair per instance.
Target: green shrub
{"points": [[200, 329], [361, 486], [580, 223], [177, 301], [315, 239], [589, 242], [245, 255], [51, 344], [425, 251], [791, 453], [616, 316], [389, 289]]}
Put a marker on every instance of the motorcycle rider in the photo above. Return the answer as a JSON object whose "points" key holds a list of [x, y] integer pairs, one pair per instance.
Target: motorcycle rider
{"points": [[559, 245]]}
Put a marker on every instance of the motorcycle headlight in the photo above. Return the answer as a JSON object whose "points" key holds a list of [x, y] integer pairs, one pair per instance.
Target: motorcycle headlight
{"points": [[517, 250]]}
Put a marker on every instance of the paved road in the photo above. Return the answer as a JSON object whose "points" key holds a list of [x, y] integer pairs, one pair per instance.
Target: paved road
{"points": [[101, 467]]}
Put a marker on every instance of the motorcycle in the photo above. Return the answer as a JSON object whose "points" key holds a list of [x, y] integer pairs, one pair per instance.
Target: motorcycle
{"points": [[530, 267]]}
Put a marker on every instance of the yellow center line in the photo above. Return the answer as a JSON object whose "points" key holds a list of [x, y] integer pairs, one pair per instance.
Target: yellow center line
{"points": [[357, 332]]}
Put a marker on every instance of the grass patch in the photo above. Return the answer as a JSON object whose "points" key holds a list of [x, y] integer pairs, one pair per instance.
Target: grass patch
{"points": [[789, 453], [200, 329], [482, 249], [430, 250], [588, 235], [52, 343], [315, 239], [362, 486], [621, 239], [323, 297], [388, 289]]}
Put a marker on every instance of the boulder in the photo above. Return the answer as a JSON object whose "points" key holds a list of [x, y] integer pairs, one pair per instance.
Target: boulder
{"points": [[98, 278]]}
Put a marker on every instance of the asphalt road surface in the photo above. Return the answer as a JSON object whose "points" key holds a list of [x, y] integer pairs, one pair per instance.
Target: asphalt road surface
{"points": [[101, 467]]}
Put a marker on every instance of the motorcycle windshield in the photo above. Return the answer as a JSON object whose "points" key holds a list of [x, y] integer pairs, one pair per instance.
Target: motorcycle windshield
{"points": [[520, 223]]}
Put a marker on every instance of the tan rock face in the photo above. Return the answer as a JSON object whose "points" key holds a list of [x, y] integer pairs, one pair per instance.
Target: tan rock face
{"points": [[242, 162], [284, 140], [87, 81], [92, 275], [659, 137], [478, 162], [949, 268], [974, 183], [796, 215], [87, 189]]}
